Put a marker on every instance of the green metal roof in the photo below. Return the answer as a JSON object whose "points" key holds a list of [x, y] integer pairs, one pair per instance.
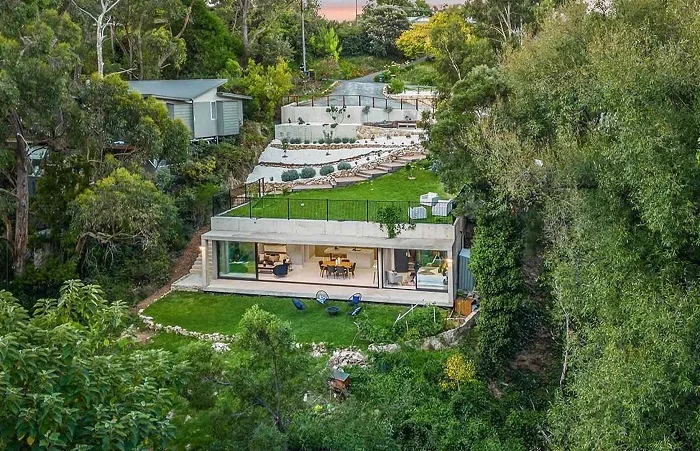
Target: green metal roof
{"points": [[176, 89]]}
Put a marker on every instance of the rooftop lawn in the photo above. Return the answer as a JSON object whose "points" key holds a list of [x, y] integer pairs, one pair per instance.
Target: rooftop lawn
{"points": [[358, 202], [222, 313]]}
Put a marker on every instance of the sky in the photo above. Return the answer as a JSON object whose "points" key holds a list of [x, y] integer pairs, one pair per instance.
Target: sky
{"points": [[345, 9]]}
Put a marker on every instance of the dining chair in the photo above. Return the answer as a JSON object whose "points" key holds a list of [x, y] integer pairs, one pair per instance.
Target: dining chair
{"points": [[352, 269], [330, 271], [342, 271], [320, 267]]}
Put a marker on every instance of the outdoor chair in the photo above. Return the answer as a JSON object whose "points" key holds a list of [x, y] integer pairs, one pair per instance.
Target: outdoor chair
{"points": [[442, 208], [298, 304], [429, 199], [417, 213], [281, 270], [355, 299], [330, 271], [341, 271], [345, 260], [352, 269], [321, 297], [355, 311], [320, 267]]}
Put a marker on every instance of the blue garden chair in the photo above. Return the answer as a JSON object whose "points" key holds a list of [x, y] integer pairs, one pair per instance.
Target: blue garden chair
{"points": [[355, 312], [321, 297], [298, 304], [355, 299]]}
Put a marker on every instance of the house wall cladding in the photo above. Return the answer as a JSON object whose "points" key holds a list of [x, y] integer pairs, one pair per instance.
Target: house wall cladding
{"points": [[229, 117], [184, 111], [204, 125]]}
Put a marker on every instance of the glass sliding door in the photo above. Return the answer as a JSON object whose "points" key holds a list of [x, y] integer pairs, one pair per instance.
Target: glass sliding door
{"points": [[411, 269], [431, 272], [236, 260]]}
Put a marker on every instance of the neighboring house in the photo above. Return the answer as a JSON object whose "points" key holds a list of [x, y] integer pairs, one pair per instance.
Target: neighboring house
{"points": [[208, 114], [293, 248]]}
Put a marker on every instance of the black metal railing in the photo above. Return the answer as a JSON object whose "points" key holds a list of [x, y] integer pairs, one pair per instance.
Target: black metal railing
{"points": [[284, 207]]}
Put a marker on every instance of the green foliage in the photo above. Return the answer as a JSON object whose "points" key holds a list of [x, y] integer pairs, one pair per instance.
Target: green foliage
{"points": [[344, 166], [506, 313], [391, 220], [70, 348], [422, 322], [267, 85], [326, 43], [308, 172], [124, 228], [382, 25], [396, 86], [327, 169], [210, 45], [290, 175], [43, 281]]}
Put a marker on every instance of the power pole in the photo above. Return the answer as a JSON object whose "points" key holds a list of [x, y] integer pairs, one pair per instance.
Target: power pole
{"points": [[303, 39]]}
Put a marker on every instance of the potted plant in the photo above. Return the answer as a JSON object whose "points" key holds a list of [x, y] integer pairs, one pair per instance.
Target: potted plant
{"points": [[409, 171]]}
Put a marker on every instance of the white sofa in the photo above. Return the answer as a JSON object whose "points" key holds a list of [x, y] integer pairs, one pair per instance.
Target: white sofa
{"points": [[442, 208], [393, 278], [417, 212]]}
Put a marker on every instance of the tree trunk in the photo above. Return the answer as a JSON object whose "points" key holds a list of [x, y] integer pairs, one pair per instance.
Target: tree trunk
{"points": [[100, 58], [21, 232]]}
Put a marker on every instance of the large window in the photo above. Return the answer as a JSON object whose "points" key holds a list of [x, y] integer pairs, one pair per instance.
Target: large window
{"points": [[411, 269], [236, 260]]}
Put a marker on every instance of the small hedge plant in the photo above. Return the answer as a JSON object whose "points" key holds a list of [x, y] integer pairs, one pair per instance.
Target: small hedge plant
{"points": [[321, 141], [346, 140], [344, 166], [337, 140], [308, 172], [327, 169], [295, 141], [290, 175]]}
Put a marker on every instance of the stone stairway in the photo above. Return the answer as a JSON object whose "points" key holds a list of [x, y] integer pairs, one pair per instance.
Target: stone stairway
{"points": [[196, 268]]}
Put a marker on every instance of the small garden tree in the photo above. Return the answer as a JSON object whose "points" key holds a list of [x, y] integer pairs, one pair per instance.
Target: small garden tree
{"points": [[66, 382]]}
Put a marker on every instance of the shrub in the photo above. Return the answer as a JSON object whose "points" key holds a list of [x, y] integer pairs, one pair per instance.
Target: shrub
{"points": [[352, 140], [420, 323], [306, 141], [295, 141], [345, 140], [343, 166], [337, 140], [290, 175], [285, 141], [308, 172], [321, 141], [396, 86], [327, 169]]}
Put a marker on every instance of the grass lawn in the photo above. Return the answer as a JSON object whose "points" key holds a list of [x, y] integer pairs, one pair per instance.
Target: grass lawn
{"points": [[351, 203], [222, 313]]}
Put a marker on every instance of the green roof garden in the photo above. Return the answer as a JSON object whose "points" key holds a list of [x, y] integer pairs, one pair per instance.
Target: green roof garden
{"points": [[362, 201]]}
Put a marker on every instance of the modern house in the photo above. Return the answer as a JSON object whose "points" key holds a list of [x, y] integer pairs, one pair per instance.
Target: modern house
{"points": [[291, 246], [208, 114]]}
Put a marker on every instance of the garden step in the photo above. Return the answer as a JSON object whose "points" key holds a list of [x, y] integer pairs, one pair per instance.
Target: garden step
{"points": [[391, 166], [411, 157], [345, 181], [308, 187], [373, 173]]}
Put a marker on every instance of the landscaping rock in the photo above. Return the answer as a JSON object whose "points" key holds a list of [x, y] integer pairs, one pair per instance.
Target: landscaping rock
{"points": [[393, 347], [347, 357]]}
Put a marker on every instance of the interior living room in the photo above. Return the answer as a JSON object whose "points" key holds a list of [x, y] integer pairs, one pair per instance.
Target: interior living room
{"points": [[411, 269], [318, 264]]}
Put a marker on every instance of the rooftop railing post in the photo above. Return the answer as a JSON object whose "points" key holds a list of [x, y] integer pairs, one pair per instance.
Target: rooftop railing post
{"points": [[287, 208], [326, 209], [386, 103], [250, 206], [401, 103], [359, 100], [230, 200], [372, 102], [312, 100], [416, 104], [343, 101], [328, 100]]}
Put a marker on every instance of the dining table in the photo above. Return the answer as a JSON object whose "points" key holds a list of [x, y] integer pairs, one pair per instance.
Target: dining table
{"points": [[327, 263]]}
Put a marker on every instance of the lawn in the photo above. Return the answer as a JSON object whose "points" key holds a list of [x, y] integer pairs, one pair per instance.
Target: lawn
{"points": [[358, 202], [222, 313]]}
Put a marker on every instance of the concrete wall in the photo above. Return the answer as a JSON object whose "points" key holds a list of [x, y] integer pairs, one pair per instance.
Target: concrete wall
{"points": [[314, 132], [336, 233], [318, 115]]}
